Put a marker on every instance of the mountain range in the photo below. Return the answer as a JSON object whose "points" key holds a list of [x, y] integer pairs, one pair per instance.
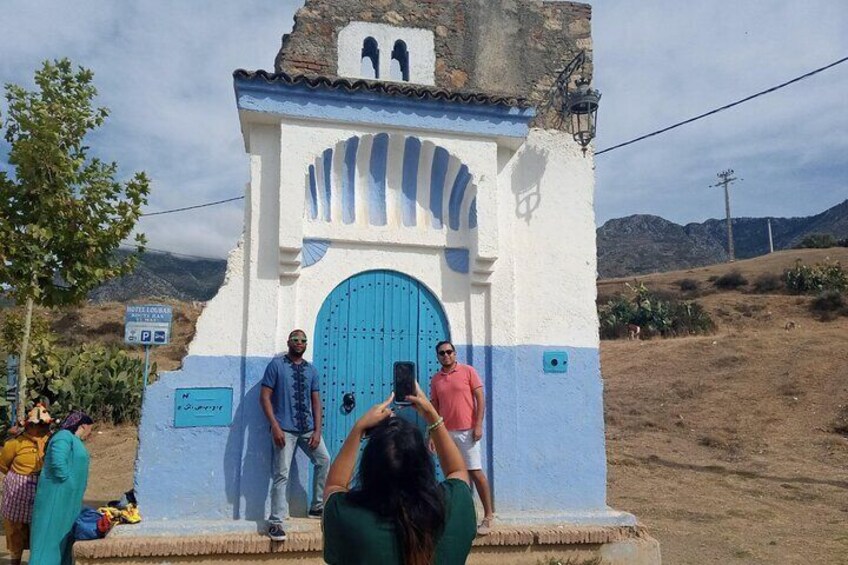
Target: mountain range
{"points": [[627, 246]]}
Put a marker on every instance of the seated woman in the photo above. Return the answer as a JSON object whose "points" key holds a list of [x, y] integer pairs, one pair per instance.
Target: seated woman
{"points": [[398, 513]]}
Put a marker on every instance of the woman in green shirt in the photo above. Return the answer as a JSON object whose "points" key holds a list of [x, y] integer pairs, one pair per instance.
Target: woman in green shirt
{"points": [[398, 513]]}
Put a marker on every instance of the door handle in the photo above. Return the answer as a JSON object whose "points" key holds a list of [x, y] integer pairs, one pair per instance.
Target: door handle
{"points": [[348, 402]]}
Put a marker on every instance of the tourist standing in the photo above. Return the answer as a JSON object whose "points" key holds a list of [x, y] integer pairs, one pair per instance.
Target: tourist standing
{"points": [[291, 401], [457, 394]]}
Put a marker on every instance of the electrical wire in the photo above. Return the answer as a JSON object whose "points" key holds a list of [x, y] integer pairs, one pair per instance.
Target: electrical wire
{"points": [[192, 207], [146, 248], [723, 108]]}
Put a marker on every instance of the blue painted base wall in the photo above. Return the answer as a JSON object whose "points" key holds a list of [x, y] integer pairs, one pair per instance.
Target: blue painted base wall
{"points": [[544, 443]]}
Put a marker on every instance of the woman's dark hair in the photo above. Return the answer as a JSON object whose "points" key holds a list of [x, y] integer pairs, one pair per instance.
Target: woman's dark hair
{"points": [[397, 481]]}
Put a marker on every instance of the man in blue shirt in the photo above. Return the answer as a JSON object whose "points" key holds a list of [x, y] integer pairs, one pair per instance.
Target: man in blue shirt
{"points": [[291, 400]]}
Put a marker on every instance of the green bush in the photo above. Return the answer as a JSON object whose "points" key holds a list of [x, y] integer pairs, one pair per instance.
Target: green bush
{"points": [[767, 282], [688, 285], [830, 301], [731, 280], [105, 382], [818, 241], [806, 279], [654, 314]]}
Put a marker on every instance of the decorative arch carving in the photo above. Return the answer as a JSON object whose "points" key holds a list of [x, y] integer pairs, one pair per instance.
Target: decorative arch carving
{"points": [[391, 180]]}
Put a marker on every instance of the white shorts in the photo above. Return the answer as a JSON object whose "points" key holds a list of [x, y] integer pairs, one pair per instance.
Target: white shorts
{"points": [[470, 449]]}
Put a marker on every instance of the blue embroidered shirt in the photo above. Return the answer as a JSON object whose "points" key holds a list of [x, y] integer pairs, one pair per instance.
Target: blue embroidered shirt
{"points": [[293, 384]]}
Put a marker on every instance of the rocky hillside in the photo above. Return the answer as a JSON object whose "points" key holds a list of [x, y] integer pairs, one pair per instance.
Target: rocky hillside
{"points": [[626, 246], [645, 244]]}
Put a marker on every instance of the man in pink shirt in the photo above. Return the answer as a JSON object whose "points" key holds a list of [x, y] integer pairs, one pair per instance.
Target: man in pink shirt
{"points": [[457, 394]]}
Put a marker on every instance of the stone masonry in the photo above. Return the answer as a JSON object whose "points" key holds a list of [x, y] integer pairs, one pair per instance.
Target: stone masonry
{"points": [[513, 47]]}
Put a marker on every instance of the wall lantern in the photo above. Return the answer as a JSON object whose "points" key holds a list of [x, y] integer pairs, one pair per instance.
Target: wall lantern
{"points": [[579, 102]]}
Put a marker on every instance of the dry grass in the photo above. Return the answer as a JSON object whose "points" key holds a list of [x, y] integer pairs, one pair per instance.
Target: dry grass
{"points": [[731, 448]]}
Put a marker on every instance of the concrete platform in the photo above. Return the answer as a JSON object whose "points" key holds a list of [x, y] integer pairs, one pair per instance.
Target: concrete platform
{"points": [[507, 545]]}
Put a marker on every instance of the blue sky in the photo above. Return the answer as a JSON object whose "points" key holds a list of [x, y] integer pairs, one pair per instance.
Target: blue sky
{"points": [[164, 69]]}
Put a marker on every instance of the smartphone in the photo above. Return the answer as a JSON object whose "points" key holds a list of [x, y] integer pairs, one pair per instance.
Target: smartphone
{"points": [[404, 380]]}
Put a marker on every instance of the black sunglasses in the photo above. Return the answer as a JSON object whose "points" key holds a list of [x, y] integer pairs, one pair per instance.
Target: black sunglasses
{"points": [[444, 352]]}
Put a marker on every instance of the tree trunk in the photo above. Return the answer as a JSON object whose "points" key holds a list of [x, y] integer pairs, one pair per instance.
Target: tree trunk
{"points": [[22, 396]]}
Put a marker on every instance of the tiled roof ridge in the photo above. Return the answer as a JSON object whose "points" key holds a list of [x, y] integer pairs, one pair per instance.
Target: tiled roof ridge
{"points": [[408, 90]]}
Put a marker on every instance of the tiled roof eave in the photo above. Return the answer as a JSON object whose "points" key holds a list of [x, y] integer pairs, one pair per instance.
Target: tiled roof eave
{"points": [[401, 90]]}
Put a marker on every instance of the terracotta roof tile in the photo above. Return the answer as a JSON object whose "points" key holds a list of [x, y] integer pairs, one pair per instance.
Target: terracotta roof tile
{"points": [[414, 91]]}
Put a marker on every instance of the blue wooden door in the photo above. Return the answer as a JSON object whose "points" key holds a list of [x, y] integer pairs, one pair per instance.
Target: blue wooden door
{"points": [[366, 324]]}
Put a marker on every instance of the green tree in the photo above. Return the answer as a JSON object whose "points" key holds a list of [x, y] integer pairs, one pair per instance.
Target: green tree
{"points": [[62, 213]]}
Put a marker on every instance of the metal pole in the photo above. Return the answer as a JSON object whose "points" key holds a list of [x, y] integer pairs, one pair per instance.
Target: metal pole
{"points": [[725, 179], [729, 222], [146, 364], [771, 240]]}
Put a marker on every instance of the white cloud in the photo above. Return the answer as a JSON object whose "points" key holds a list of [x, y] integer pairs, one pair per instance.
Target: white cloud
{"points": [[164, 69]]}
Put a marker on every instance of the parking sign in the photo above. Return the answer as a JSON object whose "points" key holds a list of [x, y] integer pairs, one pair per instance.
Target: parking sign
{"points": [[148, 324]]}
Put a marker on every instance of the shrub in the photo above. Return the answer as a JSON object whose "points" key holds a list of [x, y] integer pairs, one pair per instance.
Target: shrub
{"points": [[818, 241], [654, 314], [731, 280], [829, 303], [688, 285], [103, 381], [840, 423], [802, 279], [767, 282]]}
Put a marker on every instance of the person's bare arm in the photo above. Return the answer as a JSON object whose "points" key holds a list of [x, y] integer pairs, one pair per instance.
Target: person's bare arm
{"points": [[315, 439], [479, 412], [341, 470], [450, 458], [276, 432]]}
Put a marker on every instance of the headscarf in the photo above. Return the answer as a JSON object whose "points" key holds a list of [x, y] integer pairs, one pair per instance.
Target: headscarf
{"points": [[38, 415], [74, 420]]}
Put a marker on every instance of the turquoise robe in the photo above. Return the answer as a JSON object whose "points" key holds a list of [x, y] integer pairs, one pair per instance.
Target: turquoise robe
{"points": [[58, 500]]}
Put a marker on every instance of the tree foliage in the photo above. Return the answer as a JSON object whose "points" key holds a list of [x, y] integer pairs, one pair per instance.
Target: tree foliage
{"points": [[62, 213]]}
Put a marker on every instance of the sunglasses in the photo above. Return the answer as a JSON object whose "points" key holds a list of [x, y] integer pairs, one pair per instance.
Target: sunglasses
{"points": [[444, 352], [297, 339]]}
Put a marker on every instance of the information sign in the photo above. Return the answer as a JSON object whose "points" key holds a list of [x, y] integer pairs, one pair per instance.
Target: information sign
{"points": [[196, 407], [148, 324], [12, 378]]}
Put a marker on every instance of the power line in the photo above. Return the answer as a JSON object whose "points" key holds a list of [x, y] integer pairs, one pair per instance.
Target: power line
{"points": [[608, 149], [192, 207], [723, 108], [146, 248]]}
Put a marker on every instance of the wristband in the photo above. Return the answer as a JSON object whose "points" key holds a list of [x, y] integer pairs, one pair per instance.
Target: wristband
{"points": [[436, 424]]}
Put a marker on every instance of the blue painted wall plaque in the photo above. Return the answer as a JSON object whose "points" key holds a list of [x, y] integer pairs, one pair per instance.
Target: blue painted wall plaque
{"points": [[555, 362], [203, 407]]}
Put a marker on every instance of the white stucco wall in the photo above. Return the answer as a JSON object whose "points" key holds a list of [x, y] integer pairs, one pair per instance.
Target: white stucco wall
{"points": [[546, 198], [532, 272], [419, 42]]}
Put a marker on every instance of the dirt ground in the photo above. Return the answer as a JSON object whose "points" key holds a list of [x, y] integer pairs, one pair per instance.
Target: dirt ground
{"points": [[722, 445]]}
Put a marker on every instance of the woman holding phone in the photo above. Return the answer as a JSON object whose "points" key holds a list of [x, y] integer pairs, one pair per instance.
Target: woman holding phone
{"points": [[398, 513]]}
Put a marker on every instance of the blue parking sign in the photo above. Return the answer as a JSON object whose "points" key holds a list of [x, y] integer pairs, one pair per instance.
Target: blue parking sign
{"points": [[148, 324]]}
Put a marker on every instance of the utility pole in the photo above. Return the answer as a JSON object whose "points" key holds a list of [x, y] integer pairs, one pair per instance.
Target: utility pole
{"points": [[771, 239], [725, 179]]}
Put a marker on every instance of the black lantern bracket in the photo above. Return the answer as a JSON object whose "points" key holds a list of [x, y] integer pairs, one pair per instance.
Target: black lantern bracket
{"points": [[578, 103]]}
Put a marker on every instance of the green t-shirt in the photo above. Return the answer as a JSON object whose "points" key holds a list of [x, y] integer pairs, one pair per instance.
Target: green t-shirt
{"points": [[356, 536]]}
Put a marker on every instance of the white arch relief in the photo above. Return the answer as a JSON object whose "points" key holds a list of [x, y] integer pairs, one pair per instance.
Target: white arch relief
{"points": [[391, 180]]}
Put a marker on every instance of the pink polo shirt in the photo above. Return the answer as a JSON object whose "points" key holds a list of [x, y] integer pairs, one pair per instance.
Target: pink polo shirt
{"points": [[454, 393]]}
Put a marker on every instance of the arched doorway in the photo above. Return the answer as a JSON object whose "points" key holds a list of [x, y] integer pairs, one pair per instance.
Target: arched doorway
{"points": [[365, 325]]}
